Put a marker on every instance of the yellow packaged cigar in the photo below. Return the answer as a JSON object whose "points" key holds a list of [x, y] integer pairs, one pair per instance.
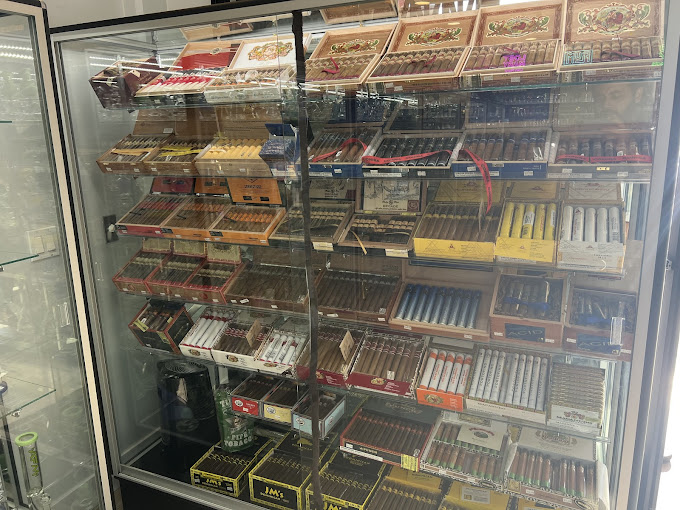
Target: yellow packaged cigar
{"points": [[551, 221], [507, 220], [539, 224], [518, 221], [528, 221]]}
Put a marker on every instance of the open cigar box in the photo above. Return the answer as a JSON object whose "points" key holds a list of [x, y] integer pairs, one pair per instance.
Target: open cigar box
{"points": [[359, 12], [145, 218], [131, 277], [426, 53], [612, 40], [246, 224], [337, 151], [209, 282], [116, 85], [173, 272], [194, 218], [444, 374], [329, 218], [161, 325], [517, 44], [344, 58]]}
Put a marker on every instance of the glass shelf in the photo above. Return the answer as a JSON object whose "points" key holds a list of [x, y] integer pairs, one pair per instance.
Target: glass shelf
{"points": [[21, 394], [12, 257]]}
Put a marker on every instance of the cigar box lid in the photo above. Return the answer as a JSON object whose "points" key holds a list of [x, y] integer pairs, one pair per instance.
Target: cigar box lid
{"points": [[402, 410], [206, 55], [417, 8], [275, 51], [354, 41], [355, 464], [434, 32], [414, 479], [536, 21], [392, 196], [533, 190], [359, 12], [215, 30], [597, 20], [557, 444], [469, 190], [333, 189], [470, 497], [605, 192]]}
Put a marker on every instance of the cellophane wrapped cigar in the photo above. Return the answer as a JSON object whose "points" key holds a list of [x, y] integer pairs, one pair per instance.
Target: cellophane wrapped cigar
{"points": [[436, 151], [589, 148], [252, 78], [506, 146], [532, 298], [421, 62], [617, 50]]}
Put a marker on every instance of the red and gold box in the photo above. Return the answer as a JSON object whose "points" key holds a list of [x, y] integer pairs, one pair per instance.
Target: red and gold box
{"points": [[169, 277], [145, 218], [209, 282], [131, 277]]}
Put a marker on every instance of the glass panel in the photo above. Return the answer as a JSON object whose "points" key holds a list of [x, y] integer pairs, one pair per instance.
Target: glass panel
{"points": [[41, 369]]}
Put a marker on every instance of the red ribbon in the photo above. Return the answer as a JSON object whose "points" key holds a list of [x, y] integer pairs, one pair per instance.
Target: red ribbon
{"points": [[484, 170], [372, 160], [430, 60], [577, 157], [332, 153], [332, 71]]}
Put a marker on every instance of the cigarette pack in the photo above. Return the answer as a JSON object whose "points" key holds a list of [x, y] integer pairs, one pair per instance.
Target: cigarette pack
{"points": [[329, 219], [338, 348], [359, 12], [393, 432], [388, 362], [206, 332], [161, 325], [402, 488], [612, 40], [577, 397], [337, 151], [247, 397], [127, 156], [344, 58], [510, 383], [116, 85], [331, 412], [443, 377], [531, 108], [280, 351], [145, 218], [600, 322], [508, 154], [556, 469], [131, 277], [278, 405], [347, 482], [529, 310], [467, 448], [426, 53], [516, 45], [462, 496]]}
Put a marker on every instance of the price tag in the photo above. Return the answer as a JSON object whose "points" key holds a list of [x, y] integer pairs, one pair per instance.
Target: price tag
{"points": [[515, 79], [381, 319], [571, 340], [409, 328], [391, 252], [167, 131], [398, 88], [274, 307], [243, 301], [549, 340], [567, 170], [528, 173], [251, 336], [621, 174], [347, 346], [322, 246]]}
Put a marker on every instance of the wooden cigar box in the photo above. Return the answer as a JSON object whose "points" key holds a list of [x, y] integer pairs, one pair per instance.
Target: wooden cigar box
{"points": [[215, 31], [156, 282], [539, 312], [145, 218], [246, 224], [116, 85], [359, 12], [415, 8], [344, 58], [135, 285], [426, 53], [612, 40], [194, 290], [193, 219], [337, 151], [169, 335], [176, 155], [329, 218], [121, 159], [503, 52], [231, 155]]}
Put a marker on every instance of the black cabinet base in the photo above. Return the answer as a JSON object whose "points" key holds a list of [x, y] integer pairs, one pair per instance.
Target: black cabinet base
{"points": [[141, 497]]}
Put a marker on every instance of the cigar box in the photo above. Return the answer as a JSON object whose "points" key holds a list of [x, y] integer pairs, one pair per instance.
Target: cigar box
{"points": [[531, 108], [402, 488], [418, 311], [578, 398], [367, 111], [518, 365], [116, 85], [175, 185], [278, 405], [227, 472], [127, 156], [196, 67], [458, 203], [331, 411], [157, 245], [145, 218], [193, 219], [374, 367], [468, 449], [338, 151], [176, 155], [358, 288], [131, 277], [239, 155], [344, 58], [200, 340], [209, 282], [241, 339], [282, 150], [171, 274], [414, 8], [338, 348], [193, 248], [280, 350], [246, 224], [609, 41], [593, 252], [215, 30], [446, 386], [359, 12], [432, 112], [329, 219], [556, 447], [426, 53], [409, 425], [529, 157], [463, 496], [223, 253], [355, 480], [247, 397], [600, 323], [503, 51], [281, 478], [164, 330], [254, 190], [536, 318], [628, 155]]}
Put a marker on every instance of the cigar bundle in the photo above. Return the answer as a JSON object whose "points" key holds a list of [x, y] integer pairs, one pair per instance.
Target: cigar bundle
{"points": [[439, 305], [389, 357], [634, 148], [246, 219], [233, 339], [392, 494], [140, 266], [513, 146], [186, 82], [446, 371], [211, 275], [235, 148], [198, 213], [614, 50], [597, 310], [560, 474], [152, 210], [337, 68], [285, 394], [283, 348], [529, 297], [359, 292], [341, 145], [592, 224], [175, 270], [390, 433], [529, 221], [280, 283], [130, 150], [510, 378], [381, 228], [284, 468], [579, 390], [330, 358], [178, 150], [326, 220], [408, 148], [424, 62], [208, 329], [457, 222], [511, 56]]}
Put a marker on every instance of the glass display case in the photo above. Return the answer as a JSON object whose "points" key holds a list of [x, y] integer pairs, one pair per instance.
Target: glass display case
{"points": [[327, 247]]}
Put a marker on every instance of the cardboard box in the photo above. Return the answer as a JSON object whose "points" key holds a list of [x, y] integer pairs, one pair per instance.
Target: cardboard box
{"points": [[442, 397], [127, 156], [359, 12], [331, 412], [337, 151], [521, 328], [116, 85], [416, 60], [131, 277], [256, 387], [199, 341], [462, 496], [157, 282], [242, 338], [280, 351], [145, 218], [165, 334], [226, 472], [194, 218], [278, 405]]}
